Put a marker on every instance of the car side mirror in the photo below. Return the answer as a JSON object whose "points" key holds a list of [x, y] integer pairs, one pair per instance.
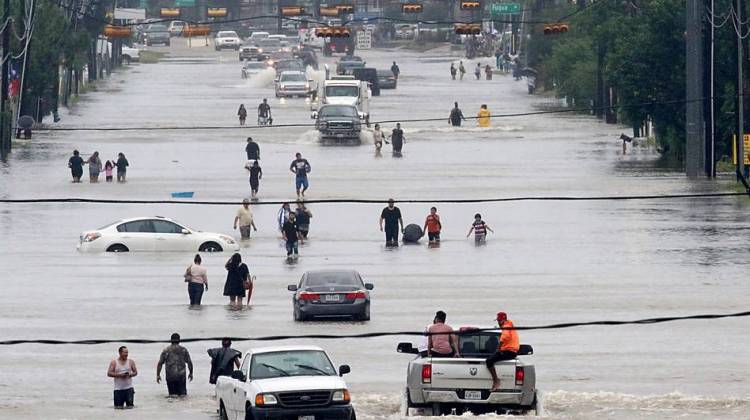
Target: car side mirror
{"points": [[369, 286], [292, 288], [406, 348], [344, 369], [185, 231], [314, 116], [238, 375]]}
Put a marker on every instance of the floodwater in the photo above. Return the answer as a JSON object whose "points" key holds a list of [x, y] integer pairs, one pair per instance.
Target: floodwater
{"points": [[547, 262]]}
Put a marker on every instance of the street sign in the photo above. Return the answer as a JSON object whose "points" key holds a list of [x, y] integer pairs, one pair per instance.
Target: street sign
{"points": [[505, 9], [184, 3], [746, 141], [364, 39]]}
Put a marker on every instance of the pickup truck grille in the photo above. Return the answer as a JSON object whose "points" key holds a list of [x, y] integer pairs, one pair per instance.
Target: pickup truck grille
{"points": [[305, 398], [340, 125]]}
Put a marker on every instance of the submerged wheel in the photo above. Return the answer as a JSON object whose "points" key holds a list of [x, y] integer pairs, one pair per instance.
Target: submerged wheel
{"points": [[210, 247], [117, 248], [365, 315]]}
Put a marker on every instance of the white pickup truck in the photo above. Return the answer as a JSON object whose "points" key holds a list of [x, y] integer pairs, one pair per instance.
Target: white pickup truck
{"points": [[298, 383], [441, 386]]}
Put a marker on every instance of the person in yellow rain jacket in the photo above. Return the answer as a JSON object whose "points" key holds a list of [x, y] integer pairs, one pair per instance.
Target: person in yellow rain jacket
{"points": [[483, 117]]}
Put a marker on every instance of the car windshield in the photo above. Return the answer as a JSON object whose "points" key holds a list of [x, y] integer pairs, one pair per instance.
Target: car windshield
{"points": [[178, 23], [338, 111], [331, 278], [291, 363], [351, 58], [255, 65], [227, 34], [342, 91], [157, 28], [293, 39], [385, 73], [268, 43], [293, 78]]}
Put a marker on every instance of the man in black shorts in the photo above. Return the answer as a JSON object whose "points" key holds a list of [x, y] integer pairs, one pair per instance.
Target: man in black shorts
{"points": [[392, 217]]}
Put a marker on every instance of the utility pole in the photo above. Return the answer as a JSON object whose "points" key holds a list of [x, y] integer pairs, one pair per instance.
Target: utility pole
{"points": [[4, 120], [740, 97], [695, 134]]}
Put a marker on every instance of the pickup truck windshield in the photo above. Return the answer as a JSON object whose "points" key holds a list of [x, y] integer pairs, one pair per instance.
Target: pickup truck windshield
{"points": [[338, 111], [156, 28], [227, 34], [293, 78], [290, 363], [342, 91]]}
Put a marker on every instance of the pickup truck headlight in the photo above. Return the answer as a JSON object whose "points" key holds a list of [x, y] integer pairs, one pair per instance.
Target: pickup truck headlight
{"points": [[265, 399], [341, 396]]}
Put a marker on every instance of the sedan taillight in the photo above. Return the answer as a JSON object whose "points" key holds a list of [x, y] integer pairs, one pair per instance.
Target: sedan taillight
{"points": [[309, 296], [356, 295]]}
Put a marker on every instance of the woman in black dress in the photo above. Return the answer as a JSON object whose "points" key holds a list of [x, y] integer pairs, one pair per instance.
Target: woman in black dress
{"points": [[237, 275]]}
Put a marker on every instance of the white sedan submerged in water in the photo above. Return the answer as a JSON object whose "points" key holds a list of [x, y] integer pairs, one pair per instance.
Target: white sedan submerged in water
{"points": [[153, 234]]}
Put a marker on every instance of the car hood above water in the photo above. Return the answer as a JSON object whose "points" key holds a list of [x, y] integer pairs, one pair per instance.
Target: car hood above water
{"points": [[299, 383]]}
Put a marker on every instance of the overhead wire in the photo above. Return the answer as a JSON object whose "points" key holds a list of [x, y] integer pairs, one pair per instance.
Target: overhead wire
{"points": [[558, 326]]}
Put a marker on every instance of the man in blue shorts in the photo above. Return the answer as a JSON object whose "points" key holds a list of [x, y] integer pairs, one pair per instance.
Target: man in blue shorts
{"points": [[300, 167]]}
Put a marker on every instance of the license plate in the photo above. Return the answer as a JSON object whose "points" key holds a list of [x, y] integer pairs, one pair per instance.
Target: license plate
{"points": [[473, 395], [340, 136], [332, 298], [306, 418]]}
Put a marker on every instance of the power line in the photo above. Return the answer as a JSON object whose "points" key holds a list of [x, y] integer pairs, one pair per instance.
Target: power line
{"points": [[369, 201], [644, 321]]}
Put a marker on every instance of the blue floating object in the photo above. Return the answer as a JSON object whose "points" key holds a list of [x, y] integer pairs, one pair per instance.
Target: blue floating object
{"points": [[183, 194]]}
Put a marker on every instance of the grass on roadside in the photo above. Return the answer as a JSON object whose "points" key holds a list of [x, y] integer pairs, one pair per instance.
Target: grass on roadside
{"points": [[151, 57]]}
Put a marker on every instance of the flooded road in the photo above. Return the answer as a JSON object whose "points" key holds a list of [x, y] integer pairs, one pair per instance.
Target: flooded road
{"points": [[548, 262]]}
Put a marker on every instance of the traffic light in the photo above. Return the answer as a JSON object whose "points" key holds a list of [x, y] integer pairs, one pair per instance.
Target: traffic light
{"points": [[292, 11], [216, 12], [471, 5], [467, 28], [329, 11], [333, 32], [345, 9], [118, 31], [411, 8], [556, 28], [169, 12]]}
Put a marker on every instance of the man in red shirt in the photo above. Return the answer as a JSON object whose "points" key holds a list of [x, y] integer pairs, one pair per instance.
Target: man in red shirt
{"points": [[507, 349], [433, 226]]}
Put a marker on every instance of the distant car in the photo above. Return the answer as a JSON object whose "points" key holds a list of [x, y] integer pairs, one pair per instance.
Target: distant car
{"points": [[294, 44], [278, 36], [149, 234], [156, 34], [292, 83], [256, 36], [349, 62], [289, 65], [252, 68], [369, 75], [269, 45], [130, 54], [331, 293], [279, 56], [405, 31], [227, 39], [251, 52], [386, 79], [309, 57], [175, 27]]}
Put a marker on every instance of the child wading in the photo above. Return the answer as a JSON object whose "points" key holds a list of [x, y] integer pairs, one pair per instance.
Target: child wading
{"points": [[479, 228]]}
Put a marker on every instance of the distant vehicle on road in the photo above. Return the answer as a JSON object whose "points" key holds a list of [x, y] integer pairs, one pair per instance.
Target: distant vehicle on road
{"points": [[292, 83], [175, 27], [156, 34], [269, 45], [227, 39], [130, 54], [151, 234], [289, 65], [331, 293], [338, 45], [349, 62], [438, 386], [251, 52], [290, 382], [369, 75], [405, 31], [386, 79], [256, 36], [251, 68]]}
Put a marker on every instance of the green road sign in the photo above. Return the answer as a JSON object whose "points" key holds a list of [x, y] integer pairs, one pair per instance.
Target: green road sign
{"points": [[505, 9], [184, 3]]}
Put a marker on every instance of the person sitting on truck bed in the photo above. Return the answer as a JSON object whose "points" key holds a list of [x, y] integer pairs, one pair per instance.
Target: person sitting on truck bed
{"points": [[508, 349], [441, 342]]}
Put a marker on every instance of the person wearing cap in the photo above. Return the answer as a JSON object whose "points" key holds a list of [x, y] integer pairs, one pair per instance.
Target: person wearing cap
{"points": [[244, 219], [441, 342], [507, 348], [392, 217], [175, 357], [223, 360]]}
